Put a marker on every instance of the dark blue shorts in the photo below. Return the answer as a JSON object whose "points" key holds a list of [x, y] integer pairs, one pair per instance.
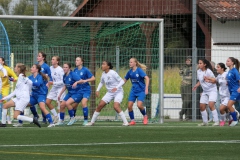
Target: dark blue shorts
{"points": [[76, 97], [140, 96], [35, 99]]}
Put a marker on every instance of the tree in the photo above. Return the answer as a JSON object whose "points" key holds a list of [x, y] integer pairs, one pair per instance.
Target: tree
{"points": [[21, 31]]}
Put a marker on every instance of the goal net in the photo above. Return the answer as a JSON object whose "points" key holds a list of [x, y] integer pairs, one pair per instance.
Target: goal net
{"points": [[113, 39]]}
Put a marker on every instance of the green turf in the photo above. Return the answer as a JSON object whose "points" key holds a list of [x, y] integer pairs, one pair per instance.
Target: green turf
{"points": [[109, 140]]}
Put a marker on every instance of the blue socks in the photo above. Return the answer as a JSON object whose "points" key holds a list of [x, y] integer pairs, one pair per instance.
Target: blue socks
{"points": [[143, 112], [74, 112], [85, 113], [131, 115], [234, 115], [62, 114], [34, 111], [44, 117], [49, 118], [71, 113]]}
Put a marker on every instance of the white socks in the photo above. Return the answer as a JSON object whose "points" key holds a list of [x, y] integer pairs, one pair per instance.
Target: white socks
{"points": [[4, 116], [94, 117], [54, 112], [204, 116], [223, 117], [122, 115], [24, 118], [215, 115]]}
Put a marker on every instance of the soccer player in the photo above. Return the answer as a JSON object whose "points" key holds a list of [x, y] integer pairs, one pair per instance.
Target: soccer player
{"points": [[45, 69], [233, 82], [11, 76], [57, 85], [223, 90], [74, 94], [113, 83], [139, 88], [209, 94], [39, 91], [86, 77], [22, 97]]}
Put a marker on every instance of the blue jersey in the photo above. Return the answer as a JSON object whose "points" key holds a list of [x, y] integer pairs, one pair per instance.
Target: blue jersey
{"points": [[84, 74], [46, 70], [137, 79], [39, 85], [69, 79], [233, 80]]}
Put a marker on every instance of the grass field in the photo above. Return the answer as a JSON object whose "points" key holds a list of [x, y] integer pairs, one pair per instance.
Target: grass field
{"points": [[109, 140]]}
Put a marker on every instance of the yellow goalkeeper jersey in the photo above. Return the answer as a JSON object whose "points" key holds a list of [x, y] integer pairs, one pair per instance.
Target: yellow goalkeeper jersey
{"points": [[5, 80]]}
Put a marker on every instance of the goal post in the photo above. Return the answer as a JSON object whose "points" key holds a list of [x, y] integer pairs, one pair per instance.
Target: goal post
{"points": [[95, 39]]}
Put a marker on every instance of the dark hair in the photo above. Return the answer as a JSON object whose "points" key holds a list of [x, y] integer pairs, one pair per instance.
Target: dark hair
{"points": [[44, 56], [235, 62], [208, 64], [69, 65], [58, 59], [39, 71], [80, 58], [109, 64], [22, 68], [3, 59], [222, 65]]}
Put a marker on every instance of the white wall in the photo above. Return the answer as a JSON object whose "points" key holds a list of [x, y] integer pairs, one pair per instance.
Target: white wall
{"points": [[225, 33]]}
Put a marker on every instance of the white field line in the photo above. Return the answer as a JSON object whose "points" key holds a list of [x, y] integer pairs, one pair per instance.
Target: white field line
{"points": [[120, 143]]}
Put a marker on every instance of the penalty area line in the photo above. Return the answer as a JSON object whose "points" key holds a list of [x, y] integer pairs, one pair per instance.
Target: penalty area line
{"points": [[119, 143]]}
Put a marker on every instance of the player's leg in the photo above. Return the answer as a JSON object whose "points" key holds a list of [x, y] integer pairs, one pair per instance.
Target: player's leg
{"points": [[140, 99], [234, 96], [211, 103], [203, 104], [117, 101], [41, 103], [106, 99], [131, 99], [85, 107], [4, 112]]}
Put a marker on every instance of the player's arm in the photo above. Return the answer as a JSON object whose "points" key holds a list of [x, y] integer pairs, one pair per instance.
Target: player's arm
{"points": [[196, 86], [99, 86], [210, 79], [119, 79], [12, 76], [62, 91], [147, 84]]}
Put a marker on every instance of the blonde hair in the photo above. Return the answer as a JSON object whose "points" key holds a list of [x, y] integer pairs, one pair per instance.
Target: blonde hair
{"points": [[143, 66]]}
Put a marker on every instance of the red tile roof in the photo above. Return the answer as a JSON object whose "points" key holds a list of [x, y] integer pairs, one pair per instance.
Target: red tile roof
{"points": [[221, 10]]}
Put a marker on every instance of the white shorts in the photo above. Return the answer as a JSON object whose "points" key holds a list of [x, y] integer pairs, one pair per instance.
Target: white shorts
{"points": [[224, 100], [117, 96], [21, 103], [54, 92], [207, 97]]}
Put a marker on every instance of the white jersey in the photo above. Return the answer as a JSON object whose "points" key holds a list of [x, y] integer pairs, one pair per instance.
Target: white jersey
{"points": [[57, 76], [111, 80], [23, 88], [206, 86], [223, 88]]}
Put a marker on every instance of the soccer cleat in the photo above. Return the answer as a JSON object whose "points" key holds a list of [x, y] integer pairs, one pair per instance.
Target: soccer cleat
{"points": [[229, 122], [51, 125], [3, 125], [132, 123], [234, 123], [18, 125], [145, 120], [72, 121], [125, 124], [203, 124], [55, 119], [9, 122], [35, 121], [89, 124], [216, 124], [222, 123], [60, 123], [85, 122]]}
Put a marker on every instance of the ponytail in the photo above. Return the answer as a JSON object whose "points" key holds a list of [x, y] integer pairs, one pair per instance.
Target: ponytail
{"points": [[208, 64], [235, 62], [39, 71], [143, 66]]}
